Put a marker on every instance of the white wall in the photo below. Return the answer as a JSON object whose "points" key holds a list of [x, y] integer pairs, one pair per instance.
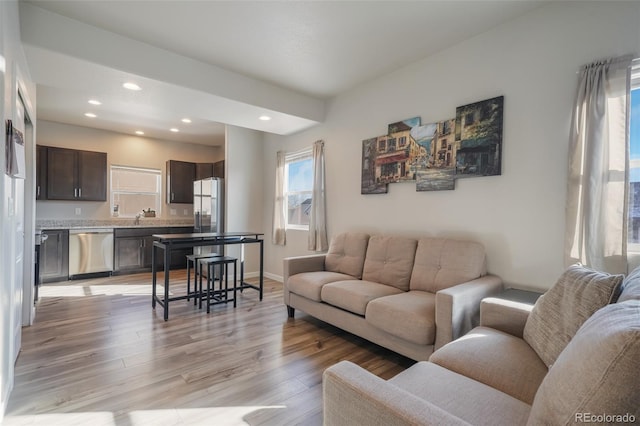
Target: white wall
{"points": [[14, 78], [122, 150], [518, 216], [243, 187]]}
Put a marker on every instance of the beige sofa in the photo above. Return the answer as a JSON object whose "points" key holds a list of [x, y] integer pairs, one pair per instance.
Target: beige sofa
{"points": [[408, 295], [572, 358]]}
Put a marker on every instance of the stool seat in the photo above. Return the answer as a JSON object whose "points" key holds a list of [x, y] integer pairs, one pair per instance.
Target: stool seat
{"points": [[218, 296]]}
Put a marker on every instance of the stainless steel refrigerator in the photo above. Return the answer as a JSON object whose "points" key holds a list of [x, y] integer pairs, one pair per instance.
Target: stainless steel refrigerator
{"points": [[208, 208]]}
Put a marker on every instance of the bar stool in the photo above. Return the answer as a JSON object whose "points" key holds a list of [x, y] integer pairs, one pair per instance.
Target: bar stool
{"points": [[219, 296], [192, 259]]}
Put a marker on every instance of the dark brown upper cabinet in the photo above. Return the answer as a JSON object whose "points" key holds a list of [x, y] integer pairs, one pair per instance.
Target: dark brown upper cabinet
{"points": [[204, 170], [180, 177], [218, 169], [76, 175], [41, 172]]}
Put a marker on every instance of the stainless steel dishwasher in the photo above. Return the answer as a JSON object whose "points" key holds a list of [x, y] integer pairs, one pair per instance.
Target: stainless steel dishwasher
{"points": [[90, 252]]}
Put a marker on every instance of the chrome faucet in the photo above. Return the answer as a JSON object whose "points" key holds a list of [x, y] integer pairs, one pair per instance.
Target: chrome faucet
{"points": [[137, 221]]}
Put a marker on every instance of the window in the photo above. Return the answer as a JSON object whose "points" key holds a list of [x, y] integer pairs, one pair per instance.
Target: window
{"points": [[298, 188], [134, 190]]}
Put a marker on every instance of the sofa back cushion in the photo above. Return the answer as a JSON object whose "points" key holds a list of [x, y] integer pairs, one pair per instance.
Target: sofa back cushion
{"points": [[346, 253], [389, 261], [442, 263], [597, 374], [559, 313]]}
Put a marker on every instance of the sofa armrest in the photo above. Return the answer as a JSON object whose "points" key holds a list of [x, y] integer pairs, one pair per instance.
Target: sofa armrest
{"points": [[505, 315], [458, 307], [353, 396], [299, 264]]}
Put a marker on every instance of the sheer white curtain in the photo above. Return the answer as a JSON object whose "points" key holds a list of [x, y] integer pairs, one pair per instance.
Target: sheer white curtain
{"points": [[597, 195], [317, 220], [279, 235]]}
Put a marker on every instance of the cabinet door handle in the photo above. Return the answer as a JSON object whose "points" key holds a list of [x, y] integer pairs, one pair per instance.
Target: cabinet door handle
{"points": [[79, 192], [172, 197], [75, 192], [37, 191]]}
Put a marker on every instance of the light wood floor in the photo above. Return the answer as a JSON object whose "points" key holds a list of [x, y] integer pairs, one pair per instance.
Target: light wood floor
{"points": [[99, 355]]}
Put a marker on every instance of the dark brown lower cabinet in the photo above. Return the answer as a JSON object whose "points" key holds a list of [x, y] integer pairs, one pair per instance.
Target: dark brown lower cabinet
{"points": [[133, 249], [54, 255]]}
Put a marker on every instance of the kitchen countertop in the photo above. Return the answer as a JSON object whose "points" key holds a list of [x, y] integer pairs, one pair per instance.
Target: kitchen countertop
{"points": [[111, 223]]}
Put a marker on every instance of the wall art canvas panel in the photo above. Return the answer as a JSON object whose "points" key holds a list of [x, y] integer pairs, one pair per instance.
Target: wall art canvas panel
{"points": [[370, 183], [478, 137], [438, 170], [403, 125]]}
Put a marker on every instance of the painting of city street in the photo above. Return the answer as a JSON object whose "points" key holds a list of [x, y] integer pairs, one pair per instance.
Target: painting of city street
{"points": [[479, 138], [370, 185], [435, 155]]}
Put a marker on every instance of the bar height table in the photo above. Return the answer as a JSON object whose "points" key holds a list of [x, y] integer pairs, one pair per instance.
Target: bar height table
{"points": [[168, 242]]}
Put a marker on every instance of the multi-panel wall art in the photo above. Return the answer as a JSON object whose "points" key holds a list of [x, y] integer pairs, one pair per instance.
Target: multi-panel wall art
{"points": [[434, 155]]}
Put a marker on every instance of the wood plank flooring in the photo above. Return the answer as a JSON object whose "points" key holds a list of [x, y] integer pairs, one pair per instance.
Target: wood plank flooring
{"points": [[99, 355]]}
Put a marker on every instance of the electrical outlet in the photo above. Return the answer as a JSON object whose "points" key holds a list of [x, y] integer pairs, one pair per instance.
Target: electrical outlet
{"points": [[78, 211], [173, 212], [185, 212]]}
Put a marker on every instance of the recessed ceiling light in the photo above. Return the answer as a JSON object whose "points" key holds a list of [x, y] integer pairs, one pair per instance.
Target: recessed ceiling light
{"points": [[90, 114], [186, 120], [131, 86], [174, 130], [139, 132], [94, 102], [264, 118]]}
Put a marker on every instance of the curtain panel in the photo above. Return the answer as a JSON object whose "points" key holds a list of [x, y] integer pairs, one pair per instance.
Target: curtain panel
{"points": [[598, 178], [279, 235], [318, 218]]}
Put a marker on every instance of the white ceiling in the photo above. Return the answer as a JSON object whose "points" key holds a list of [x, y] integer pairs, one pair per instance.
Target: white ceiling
{"points": [[229, 61]]}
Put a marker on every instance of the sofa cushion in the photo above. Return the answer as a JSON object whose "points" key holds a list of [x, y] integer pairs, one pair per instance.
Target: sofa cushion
{"points": [[354, 295], [598, 373], [346, 254], [497, 359], [461, 396], [309, 284], [560, 312], [442, 263], [389, 261], [410, 316], [631, 286]]}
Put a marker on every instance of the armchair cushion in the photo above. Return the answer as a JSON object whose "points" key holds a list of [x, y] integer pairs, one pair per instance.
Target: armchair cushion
{"points": [[461, 396], [442, 263], [389, 261], [598, 373], [631, 286], [497, 359], [559, 313], [410, 316], [346, 253]]}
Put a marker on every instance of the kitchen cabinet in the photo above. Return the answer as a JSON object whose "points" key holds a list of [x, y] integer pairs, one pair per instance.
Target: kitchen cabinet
{"points": [[41, 172], [133, 249], [54, 255], [204, 170], [218, 169], [76, 175], [180, 177]]}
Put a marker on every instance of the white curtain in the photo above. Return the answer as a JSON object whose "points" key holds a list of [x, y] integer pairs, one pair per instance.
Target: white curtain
{"points": [[598, 181], [279, 235], [317, 220]]}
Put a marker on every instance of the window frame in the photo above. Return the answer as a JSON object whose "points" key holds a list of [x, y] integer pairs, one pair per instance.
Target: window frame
{"points": [[290, 158], [147, 170]]}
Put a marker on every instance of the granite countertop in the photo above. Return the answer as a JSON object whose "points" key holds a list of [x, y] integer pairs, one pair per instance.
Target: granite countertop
{"points": [[111, 223]]}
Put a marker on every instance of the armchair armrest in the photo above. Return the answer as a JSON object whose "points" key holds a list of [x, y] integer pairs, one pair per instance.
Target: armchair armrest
{"points": [[299, 264], [353, 396], [458, 307], [505, 315]]}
